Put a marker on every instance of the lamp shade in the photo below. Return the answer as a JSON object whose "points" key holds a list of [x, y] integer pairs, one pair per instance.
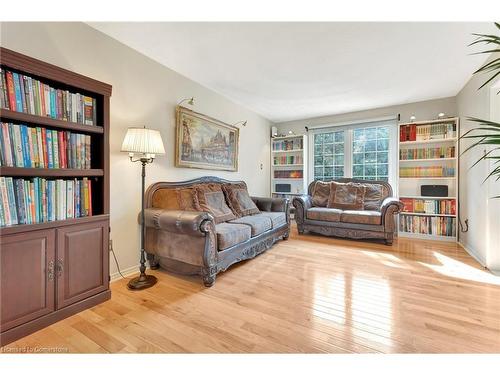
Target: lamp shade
{"points": [[143, 141]]}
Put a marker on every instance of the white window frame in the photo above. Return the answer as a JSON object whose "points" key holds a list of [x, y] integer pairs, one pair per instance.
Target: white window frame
{"points": [[348, 128]]}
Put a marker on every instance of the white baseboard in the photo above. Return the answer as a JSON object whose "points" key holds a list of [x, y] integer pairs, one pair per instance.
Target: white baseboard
{"points": [[473, 254], [126, 272]]}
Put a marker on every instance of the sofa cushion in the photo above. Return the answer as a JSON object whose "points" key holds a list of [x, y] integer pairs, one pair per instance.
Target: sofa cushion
{"points": [[278, 219], [175, 199], [239, 200], [323, 214], [361, 217], [229, 235], [374, 195], [349, 196], [257, 223], [210, 198], [320, 194]]}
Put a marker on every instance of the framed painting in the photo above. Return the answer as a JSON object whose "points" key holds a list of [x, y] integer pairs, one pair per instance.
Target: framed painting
{"points": [[205, 143]]}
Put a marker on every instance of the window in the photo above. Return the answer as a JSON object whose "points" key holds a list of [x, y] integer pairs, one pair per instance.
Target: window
{"points": [[363, 151], [328, 155], [370, 153]]}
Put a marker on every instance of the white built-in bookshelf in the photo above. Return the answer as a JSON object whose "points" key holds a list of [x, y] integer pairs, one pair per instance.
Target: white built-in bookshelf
{"points": [[428, 155], [288, 166]]}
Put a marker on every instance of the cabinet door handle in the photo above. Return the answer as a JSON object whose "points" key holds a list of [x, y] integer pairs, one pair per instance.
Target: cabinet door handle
{"points": [[50, 271], [60, 267]]}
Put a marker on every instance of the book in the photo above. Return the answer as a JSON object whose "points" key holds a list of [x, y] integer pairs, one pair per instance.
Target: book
{"points": [[23, 93]]}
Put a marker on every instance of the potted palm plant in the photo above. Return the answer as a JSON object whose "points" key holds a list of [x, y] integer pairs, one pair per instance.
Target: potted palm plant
{"points": [[487, 133]]}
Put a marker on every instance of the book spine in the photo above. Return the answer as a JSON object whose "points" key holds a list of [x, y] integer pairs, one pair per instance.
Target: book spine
{"points": [[11, 91], [50, 156], [4, 92], [24, 95], [18, 145], [36, 155], [11, 200], [55, 146], [5, 201], [17, 89], [29, 146]]}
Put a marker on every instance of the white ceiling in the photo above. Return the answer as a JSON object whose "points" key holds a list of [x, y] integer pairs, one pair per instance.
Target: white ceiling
{"points": [[289, 71]]}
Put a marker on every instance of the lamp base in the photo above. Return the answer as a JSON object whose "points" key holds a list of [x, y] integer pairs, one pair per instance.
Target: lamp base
{"points": [[142, 282]]}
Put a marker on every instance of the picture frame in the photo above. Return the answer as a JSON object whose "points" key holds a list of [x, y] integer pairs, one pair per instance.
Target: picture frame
{"points": [[205, 143]]}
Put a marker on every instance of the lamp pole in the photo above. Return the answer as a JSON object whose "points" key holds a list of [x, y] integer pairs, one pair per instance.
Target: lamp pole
{"points": [[143, 281]]}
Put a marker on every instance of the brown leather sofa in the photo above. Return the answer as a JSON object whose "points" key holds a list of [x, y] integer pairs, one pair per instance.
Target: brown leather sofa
{"points": [[181, 237], [376, 219]]}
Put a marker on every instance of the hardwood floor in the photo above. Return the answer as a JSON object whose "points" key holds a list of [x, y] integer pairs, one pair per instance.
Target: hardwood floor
{"points": [[309, 294]]}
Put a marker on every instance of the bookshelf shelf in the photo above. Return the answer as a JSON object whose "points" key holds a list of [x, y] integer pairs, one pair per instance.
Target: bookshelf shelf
{"points": [[425, 214], [5, 114], [429, 178], [288, 165], [286, 151], [81, 238], [15, 229], [433, 139], [50, 172], [428, 141], [423, 160]]}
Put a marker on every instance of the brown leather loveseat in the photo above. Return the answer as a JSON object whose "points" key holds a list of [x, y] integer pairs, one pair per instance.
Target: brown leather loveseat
{"points": [[348, 208], [205, 225]]}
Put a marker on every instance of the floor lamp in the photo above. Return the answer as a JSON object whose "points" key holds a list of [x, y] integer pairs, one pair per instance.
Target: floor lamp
{"points": [[142, 145]]}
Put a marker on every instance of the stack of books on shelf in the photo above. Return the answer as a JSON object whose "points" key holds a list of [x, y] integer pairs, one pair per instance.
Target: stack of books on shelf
{"points": [[22, 93], [431, 171], [288, 145], [427, 153], [30, 147], [414, 132], [288, 174], [38, 200], [430, 206], [433, 225], [287, 160]]}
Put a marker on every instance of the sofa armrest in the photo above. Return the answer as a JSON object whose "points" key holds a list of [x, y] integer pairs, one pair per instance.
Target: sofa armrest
{"points": [[272, 204], [301, 203], [390, 207], [176, 221]]}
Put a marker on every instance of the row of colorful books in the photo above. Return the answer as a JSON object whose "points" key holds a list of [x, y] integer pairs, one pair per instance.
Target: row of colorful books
{"points": [[288, 144], [430, 206], [39, 200], [431, 171], [427, 153], [414, 132], [288, 174], [434, 225], [288, 159], [22, 93], [29, 147]]}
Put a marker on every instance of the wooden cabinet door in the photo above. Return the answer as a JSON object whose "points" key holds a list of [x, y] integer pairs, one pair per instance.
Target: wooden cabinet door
{"points": [[26, 277], [82, 264]]}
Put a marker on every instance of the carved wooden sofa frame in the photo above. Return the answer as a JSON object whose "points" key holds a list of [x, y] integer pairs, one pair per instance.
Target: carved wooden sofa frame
{"points": [[185, 242]]}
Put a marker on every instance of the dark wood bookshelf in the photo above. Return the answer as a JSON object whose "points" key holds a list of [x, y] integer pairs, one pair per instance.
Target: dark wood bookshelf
{"points": [[50, 172], [51, 251], [35, 120]]}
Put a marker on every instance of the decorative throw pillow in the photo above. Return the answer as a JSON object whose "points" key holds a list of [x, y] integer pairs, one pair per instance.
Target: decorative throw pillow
{"points": [[239, 200], [373, 197], [321, 194], [349, 196], [210, 198], [175, 199]]}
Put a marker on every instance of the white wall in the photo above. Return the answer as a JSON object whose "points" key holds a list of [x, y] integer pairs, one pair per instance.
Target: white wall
{"points": [[422, 110], [482, 240], [144, 93]]}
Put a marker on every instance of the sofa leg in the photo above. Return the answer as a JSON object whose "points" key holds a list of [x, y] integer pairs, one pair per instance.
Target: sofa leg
{"points": [[286, 235], [300, 229], [389, 238], [153, 261], [208, 280]]}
